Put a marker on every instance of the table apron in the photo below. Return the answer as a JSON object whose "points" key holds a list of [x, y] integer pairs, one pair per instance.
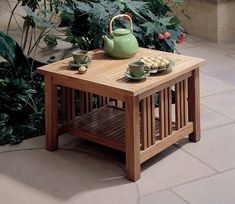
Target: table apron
{"points": [[92, 88]]}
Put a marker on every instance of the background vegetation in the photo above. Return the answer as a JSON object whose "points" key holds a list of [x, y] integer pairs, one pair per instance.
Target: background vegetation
{"points": [[84, 23]]}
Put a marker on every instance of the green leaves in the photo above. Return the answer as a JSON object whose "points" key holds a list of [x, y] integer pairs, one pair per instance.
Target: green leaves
{"points": [[150, 17], [38, 20], [50, 40], [20, 96], [135, 7], [7, 48], [82, 6], [12, 52], [151, 27], [4, 118], [165, 21], [5, 132]]}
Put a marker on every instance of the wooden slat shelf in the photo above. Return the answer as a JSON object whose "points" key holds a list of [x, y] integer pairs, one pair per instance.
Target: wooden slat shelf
{"points": [[105, 126]]}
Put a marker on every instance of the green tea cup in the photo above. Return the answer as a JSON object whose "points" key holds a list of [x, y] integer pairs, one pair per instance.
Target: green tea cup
{"points": [[81, 57], [136, 68]]}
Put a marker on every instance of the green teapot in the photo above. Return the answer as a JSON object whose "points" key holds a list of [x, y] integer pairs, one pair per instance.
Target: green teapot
{"points": [[121, 43]]}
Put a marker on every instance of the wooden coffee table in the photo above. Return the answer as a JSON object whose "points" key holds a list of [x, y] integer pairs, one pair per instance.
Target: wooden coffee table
{"points": [[120, 113]]}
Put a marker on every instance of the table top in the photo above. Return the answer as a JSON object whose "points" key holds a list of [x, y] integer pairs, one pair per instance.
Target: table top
{"points": [[107, 73]]}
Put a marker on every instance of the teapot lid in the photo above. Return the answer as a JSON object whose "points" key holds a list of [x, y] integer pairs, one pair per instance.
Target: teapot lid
{"points": [[121, 31]]}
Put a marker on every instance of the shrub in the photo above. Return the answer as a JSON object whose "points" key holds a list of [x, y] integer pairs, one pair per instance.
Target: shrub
{"points": [[89, 20], [21, 95]]}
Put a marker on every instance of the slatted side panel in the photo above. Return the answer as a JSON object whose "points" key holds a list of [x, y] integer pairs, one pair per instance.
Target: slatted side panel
{"points": [[181, 104], [117, 103], [147, 120], [86, 102], [68, 106]]}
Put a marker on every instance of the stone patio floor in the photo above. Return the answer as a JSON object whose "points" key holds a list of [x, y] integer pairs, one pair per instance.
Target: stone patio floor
{"points": [[86, 173]]}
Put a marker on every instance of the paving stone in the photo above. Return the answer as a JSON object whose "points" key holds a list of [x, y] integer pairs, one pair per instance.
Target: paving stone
{"points": [[216, 147], [171, 167], [210, 85], [162, 197], [214, 61], [222, 103], [65, 140], [62, 176], [213, 190], [211, 119], [227, 74], [232, 55]]}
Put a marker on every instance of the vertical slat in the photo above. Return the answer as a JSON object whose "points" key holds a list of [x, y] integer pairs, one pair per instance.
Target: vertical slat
{"points": [[104, 100], [166, 121], [64, 104], [100, 101], [68, 106], [161, 115], [90, 102], [68, 110], [177, 106], [144, 123], [86, 102], [82, 102], [182, 105], [108, 101], [153, 120], [185, 102], [149, 120], [169, 111], [72, 104]]}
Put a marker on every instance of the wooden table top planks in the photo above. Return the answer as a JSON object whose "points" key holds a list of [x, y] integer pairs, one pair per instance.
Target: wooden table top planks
{"points": [[105, 75]]}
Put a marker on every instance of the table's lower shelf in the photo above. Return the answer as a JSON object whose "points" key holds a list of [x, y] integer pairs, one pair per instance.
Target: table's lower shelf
{"points": [[104, 126]]}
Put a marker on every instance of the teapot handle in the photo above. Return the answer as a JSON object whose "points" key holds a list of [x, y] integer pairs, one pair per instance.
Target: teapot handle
{"points": [[120, 16]]}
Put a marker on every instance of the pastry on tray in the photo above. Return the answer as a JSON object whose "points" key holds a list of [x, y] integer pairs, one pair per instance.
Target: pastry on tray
{"points": [[156, 62]]}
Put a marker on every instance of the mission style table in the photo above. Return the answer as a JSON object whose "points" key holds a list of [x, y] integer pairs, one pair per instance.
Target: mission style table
{"points": [[120, 113]]}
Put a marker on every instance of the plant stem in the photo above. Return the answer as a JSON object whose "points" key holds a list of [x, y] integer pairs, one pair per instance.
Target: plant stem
{"points": [[26, 37], [12, 13]]}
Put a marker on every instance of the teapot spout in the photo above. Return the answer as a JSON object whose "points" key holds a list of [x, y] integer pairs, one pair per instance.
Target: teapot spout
{"points": [[108, 44]]}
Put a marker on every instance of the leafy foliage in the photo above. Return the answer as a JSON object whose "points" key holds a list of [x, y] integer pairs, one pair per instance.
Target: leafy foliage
{"points": [[88, 21], [21, 95]]}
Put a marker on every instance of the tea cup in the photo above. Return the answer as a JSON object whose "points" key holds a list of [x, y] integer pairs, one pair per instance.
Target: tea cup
{"points": [[81, 57], [136, 68]]}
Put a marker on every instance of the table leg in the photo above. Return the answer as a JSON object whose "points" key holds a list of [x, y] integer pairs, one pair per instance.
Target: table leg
{"points": [[132, 138], [194, 105], [51, 114]]}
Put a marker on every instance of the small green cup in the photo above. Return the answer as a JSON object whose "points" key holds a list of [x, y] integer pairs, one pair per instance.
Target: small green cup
{"points": [[81, 57], [136, 68]]}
